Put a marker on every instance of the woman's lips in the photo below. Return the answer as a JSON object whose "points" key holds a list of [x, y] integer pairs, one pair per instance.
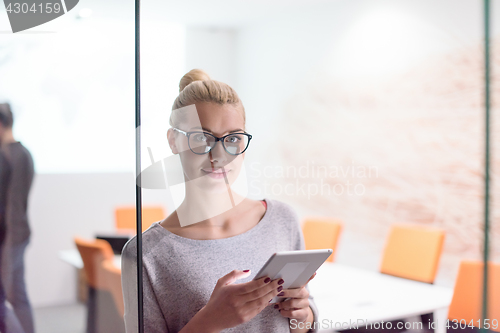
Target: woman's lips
{"points": [[216, 173]]}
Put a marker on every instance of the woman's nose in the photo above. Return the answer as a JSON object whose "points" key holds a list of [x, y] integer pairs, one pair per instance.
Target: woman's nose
{"points": [[217, 153]]}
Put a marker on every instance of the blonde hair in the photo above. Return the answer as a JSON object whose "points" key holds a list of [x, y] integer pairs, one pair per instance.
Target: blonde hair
{"points": [[195, 87]]}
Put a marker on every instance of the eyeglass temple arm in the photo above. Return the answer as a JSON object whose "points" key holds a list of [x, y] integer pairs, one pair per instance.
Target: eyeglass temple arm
{"points": [[178, 130]]}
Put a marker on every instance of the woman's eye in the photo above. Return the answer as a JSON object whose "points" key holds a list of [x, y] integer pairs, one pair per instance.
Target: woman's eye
{"points": [[233, 139]]}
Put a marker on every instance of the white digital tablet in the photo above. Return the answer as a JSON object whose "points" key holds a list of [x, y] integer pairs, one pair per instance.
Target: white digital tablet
{"points": [[294, 267]]}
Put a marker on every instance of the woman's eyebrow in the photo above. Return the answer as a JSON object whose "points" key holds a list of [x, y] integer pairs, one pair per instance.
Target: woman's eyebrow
{"points": [[208, 130]]}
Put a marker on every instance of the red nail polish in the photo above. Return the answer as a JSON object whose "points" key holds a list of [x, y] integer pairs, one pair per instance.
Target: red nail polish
{"points": [[246, 270], [281, 281], [267, 280], [276, 306], [281, 294], [280, 288]]}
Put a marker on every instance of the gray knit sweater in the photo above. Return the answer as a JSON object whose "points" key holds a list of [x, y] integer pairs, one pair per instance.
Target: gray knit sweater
{"points": [[180, 274]]}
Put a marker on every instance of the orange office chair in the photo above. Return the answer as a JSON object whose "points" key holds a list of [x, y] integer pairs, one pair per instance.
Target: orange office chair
{"points": [[102, 316], [93, 253], [413, 252], [112, 276], [126, 220], [466, 303], [321, 233]]}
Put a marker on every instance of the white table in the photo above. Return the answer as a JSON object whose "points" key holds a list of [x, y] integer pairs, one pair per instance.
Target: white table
{"points": [[73, 258], [344, 294]]}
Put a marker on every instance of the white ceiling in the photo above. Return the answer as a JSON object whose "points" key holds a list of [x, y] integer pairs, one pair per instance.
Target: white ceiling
{"points": [[222, 13]]}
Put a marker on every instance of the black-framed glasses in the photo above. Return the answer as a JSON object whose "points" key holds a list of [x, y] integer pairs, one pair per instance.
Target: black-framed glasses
{"points": [[201, 142]]}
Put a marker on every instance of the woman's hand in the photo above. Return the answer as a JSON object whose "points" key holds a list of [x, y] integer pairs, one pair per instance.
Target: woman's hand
{"points": [[297, 305], [233, 304]]}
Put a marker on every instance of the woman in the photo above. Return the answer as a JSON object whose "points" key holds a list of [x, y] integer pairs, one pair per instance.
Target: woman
{"points": [[199, 262]]}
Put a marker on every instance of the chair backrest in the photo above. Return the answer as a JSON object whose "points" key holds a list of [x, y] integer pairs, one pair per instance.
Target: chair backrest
{"points": [[112, 276], [321, 233], [466, 303], [413, 252], [125, 217], [93, 253]]}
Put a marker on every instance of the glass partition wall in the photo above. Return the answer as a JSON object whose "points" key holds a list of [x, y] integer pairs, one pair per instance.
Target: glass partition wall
{"points": [[369, 116]]}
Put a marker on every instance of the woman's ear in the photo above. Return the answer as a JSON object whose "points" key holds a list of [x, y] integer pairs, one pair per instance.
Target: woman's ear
{"points": [[171, 141]]}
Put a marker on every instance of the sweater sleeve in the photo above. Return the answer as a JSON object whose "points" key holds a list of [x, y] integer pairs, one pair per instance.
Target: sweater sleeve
{"points": [[154, 322], [298, 241]]}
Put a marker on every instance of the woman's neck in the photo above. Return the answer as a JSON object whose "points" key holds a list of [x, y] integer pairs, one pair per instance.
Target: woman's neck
{"points": [[209, 208]]}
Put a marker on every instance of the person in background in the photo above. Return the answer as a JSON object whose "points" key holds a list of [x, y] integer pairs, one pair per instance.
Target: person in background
{"points": [[17, 236]]}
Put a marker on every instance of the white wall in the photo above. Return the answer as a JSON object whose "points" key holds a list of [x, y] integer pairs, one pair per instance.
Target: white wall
{"points": [[213, 50]]}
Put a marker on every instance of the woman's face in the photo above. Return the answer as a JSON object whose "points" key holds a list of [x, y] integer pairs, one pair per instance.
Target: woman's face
{"points": [[212, 170]]}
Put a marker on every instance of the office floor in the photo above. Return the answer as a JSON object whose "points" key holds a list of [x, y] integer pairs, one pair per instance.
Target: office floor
{"points": [[61, 319]]}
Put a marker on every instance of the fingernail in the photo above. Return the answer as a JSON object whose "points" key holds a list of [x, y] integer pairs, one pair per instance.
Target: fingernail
{"points": [[281, 281], [281, 293], [280, 288], [246, 270], [276, 306], [267, 280], [270, 300]]}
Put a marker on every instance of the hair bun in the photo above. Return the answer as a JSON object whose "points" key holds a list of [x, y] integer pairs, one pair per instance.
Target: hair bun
{"points": [[191, 76]]}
